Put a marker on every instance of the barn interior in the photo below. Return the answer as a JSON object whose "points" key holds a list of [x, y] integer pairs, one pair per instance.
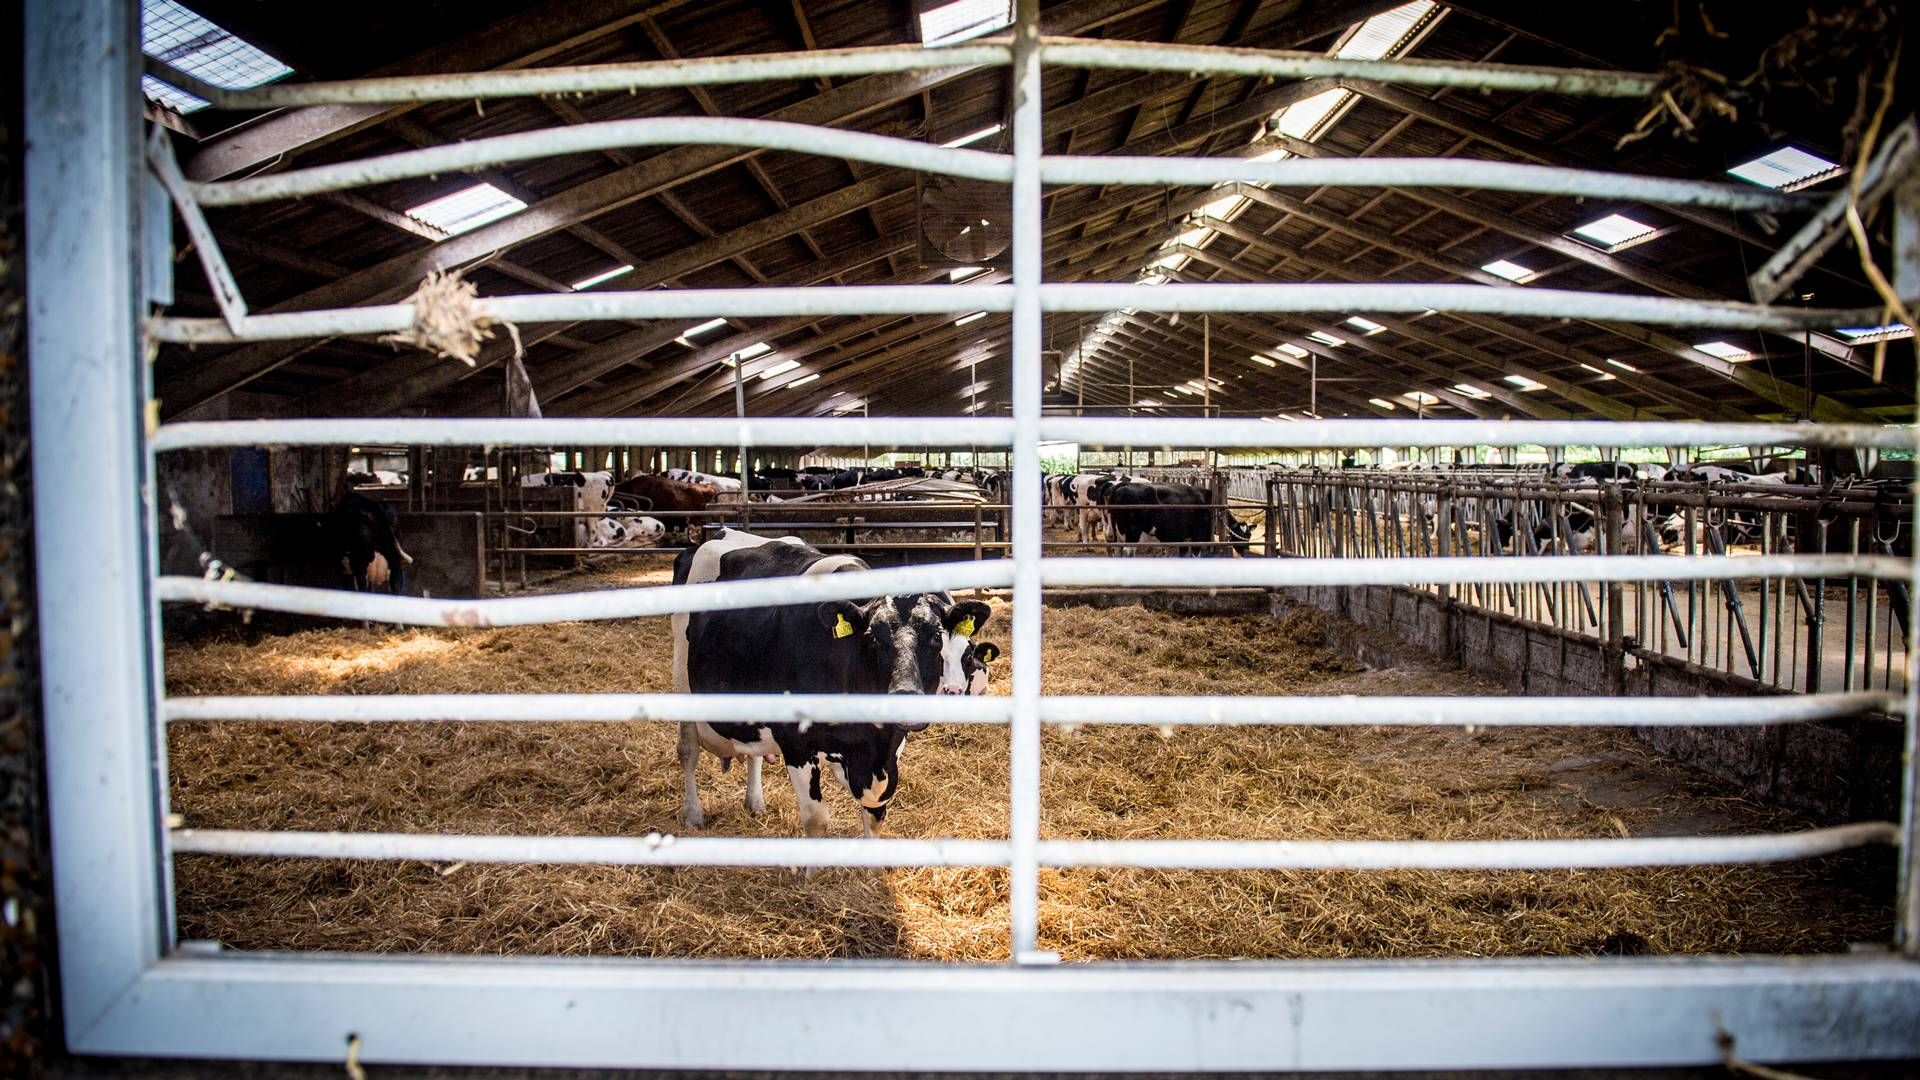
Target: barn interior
{"points": [[1813, 105]]}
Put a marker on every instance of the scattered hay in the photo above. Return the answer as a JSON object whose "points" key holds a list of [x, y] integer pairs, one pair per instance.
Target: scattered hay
{"points": [[621, 779], [448, 322]]}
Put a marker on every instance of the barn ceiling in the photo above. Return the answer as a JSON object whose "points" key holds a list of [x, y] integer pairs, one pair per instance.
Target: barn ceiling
{"points": [[701, 217]]}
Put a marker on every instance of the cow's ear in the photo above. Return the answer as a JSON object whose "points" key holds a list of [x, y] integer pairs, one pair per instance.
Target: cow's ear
{"points": [[965, 618], [986, 652], [842, 618]]}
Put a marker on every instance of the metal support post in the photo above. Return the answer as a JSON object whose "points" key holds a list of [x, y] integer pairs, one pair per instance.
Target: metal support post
{"points": [[1024, 819], [1906, 260]]}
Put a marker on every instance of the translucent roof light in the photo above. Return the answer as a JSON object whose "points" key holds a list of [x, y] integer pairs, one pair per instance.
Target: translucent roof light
{"points": [[958, 20], [1264, 361], [1622, 365], [1293, 350], [609, 275], [1382, 402], [1786, 169], [801, 381], [1724, 350], [965, 319], [467, 209], [186, 40], [962, 273], [758, 348], [1365, 326], [974, 137], [1866, 335], [1605, 376], [1325, 338], [1379, 35], [1613, 230], [779, 369], [1421, 397], [1472, 391], [1524, 383], [686, 336], [1508, 269], [975, 407]]}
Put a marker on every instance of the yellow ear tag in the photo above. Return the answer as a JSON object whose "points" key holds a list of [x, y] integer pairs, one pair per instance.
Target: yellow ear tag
{"points": [[965, 627], [841, 627]]}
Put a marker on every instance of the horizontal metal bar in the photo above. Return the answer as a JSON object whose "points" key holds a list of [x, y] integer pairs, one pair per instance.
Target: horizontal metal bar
{"points": [[1341, 710], [616, 134], [1476, 299], [1282, 573], [1420, 172], [589, 306], [623, 431], [652, 850], [1178, 431], [998, 573], [611, 78], [588, 606], [1278, 64], [1129, 1017], [668, 850], [939, 299], [1463, 854]]}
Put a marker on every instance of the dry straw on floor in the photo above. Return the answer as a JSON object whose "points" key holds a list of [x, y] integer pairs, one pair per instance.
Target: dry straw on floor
{"points": [[621, 779]]}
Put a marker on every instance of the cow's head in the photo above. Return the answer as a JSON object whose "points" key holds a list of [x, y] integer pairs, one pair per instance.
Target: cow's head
{"points": [[975, 662], [902, 644], [1240, 534]]}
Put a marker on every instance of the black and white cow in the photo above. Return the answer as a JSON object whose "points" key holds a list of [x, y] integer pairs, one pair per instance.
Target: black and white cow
{"points": [[366, 536], [1177, 514], [913, 644]]}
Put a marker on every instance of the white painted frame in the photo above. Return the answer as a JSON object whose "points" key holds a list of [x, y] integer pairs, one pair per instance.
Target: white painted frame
{"points": [[127, 988]]}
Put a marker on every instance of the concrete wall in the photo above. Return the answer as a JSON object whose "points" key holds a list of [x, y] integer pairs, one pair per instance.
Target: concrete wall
{"points": [[1839, 771]]}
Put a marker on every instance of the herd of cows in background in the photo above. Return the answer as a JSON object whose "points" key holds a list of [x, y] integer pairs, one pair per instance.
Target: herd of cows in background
{"points": [[922, 643]]}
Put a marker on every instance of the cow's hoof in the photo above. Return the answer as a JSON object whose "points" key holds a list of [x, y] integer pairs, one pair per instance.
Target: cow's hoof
{"points": [[693, 819], [756, 807]]}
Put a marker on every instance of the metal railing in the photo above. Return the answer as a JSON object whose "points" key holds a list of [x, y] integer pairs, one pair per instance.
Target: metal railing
{"points": [[150, 1019]]}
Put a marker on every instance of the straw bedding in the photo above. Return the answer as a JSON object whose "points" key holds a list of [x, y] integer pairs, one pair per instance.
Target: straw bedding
{"points": [[622, 779]]}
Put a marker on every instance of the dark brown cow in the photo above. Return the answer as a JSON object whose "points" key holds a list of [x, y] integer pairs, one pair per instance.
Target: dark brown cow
{"points": [[653, 494]]}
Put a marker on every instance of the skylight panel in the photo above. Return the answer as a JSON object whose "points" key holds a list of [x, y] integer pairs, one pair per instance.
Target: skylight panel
{"points": [[965, 319], [1364, 325], [779, 369], [1508, 269], [802, 381], [1867, 335], [1724, 350], [1288, 419], [1622, 365], [1472, 391], [1301, 118], [850, 406], [1786, 169], [1420, 397], [1293, 350], [186, 40], [1613, 231], [1187, 390], [976, 406], [970, 139], [1224, 207], [970, 390], [1147, 402], [758, 348], [1379, 35], [1525, 384], [1605, 376], [686, 336], [467, 209], [962, 273], [959, 20], [1325, 338], [1264, 361], [609, 275], [1382, 402]]}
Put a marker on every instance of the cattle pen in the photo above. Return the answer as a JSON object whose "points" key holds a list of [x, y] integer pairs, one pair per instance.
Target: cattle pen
{"points": [[512, 434]]}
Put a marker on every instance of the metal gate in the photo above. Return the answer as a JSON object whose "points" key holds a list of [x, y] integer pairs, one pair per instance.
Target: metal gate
{"points": [[130, 989]]}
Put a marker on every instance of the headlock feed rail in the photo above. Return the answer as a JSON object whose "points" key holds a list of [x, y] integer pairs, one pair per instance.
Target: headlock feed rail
{"points": [[129, 988]]}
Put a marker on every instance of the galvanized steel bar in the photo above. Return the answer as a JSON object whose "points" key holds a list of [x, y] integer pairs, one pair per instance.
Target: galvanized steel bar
{"points": [[614, 78], [1024, 740], [939, 299], [1168, 431], [1281, 573], [656, 849], [473, 154], [226, 291], [657, 431], [1421, 172], [575, 607], [1281, 64], [1906, 268], [1337, 711], [1463, 854]]}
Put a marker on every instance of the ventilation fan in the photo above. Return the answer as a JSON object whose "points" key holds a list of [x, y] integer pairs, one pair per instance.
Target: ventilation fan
{"points": [[963, 222]]}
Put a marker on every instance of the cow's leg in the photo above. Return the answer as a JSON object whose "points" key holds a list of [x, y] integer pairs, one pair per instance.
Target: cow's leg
{"points": [[806, 797], [690, 814], [756, 799]]}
